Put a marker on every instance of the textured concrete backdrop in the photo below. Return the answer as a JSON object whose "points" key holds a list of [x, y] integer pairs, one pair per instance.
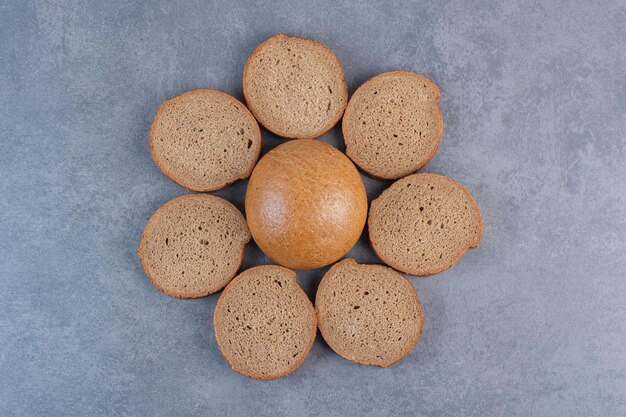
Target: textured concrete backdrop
{"points": [[533, 323]]}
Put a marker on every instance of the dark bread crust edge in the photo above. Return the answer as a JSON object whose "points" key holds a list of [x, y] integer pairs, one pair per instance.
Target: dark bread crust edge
{"points": [[182, 182], [344, 90], [411, 345], [140, 249], [439, 136], [471, 245], [312, 312]]}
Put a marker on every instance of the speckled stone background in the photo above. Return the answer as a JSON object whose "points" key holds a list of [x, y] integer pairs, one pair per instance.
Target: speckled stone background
{"points": [[533, 323]]}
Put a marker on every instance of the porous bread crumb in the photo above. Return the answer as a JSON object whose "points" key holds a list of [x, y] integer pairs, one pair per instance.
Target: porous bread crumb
{"points": [[205, 140], [423, 224], [264, 323], [393, 124], [295, 87], [368, 314], [193, 245]]}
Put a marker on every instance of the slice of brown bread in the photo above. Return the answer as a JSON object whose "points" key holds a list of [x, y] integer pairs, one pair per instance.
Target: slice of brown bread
{"points": [[205, 140], [368, 314], [295, 87], [264, 323], [423, 224], [393, 124], [193, 245]]}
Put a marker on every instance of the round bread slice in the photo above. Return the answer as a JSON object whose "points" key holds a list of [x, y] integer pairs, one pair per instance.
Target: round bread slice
{"points": [[369, 314], [423, 224], [295, 87], [393, 124], [193, 245], [204, 140], [264, 323]]}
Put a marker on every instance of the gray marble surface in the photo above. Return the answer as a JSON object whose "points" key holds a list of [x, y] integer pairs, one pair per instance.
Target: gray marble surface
{"points": [[530, 324]]}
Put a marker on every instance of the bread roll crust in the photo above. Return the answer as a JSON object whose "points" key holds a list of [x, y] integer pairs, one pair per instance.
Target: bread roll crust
{"points": [[305, 204]]}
